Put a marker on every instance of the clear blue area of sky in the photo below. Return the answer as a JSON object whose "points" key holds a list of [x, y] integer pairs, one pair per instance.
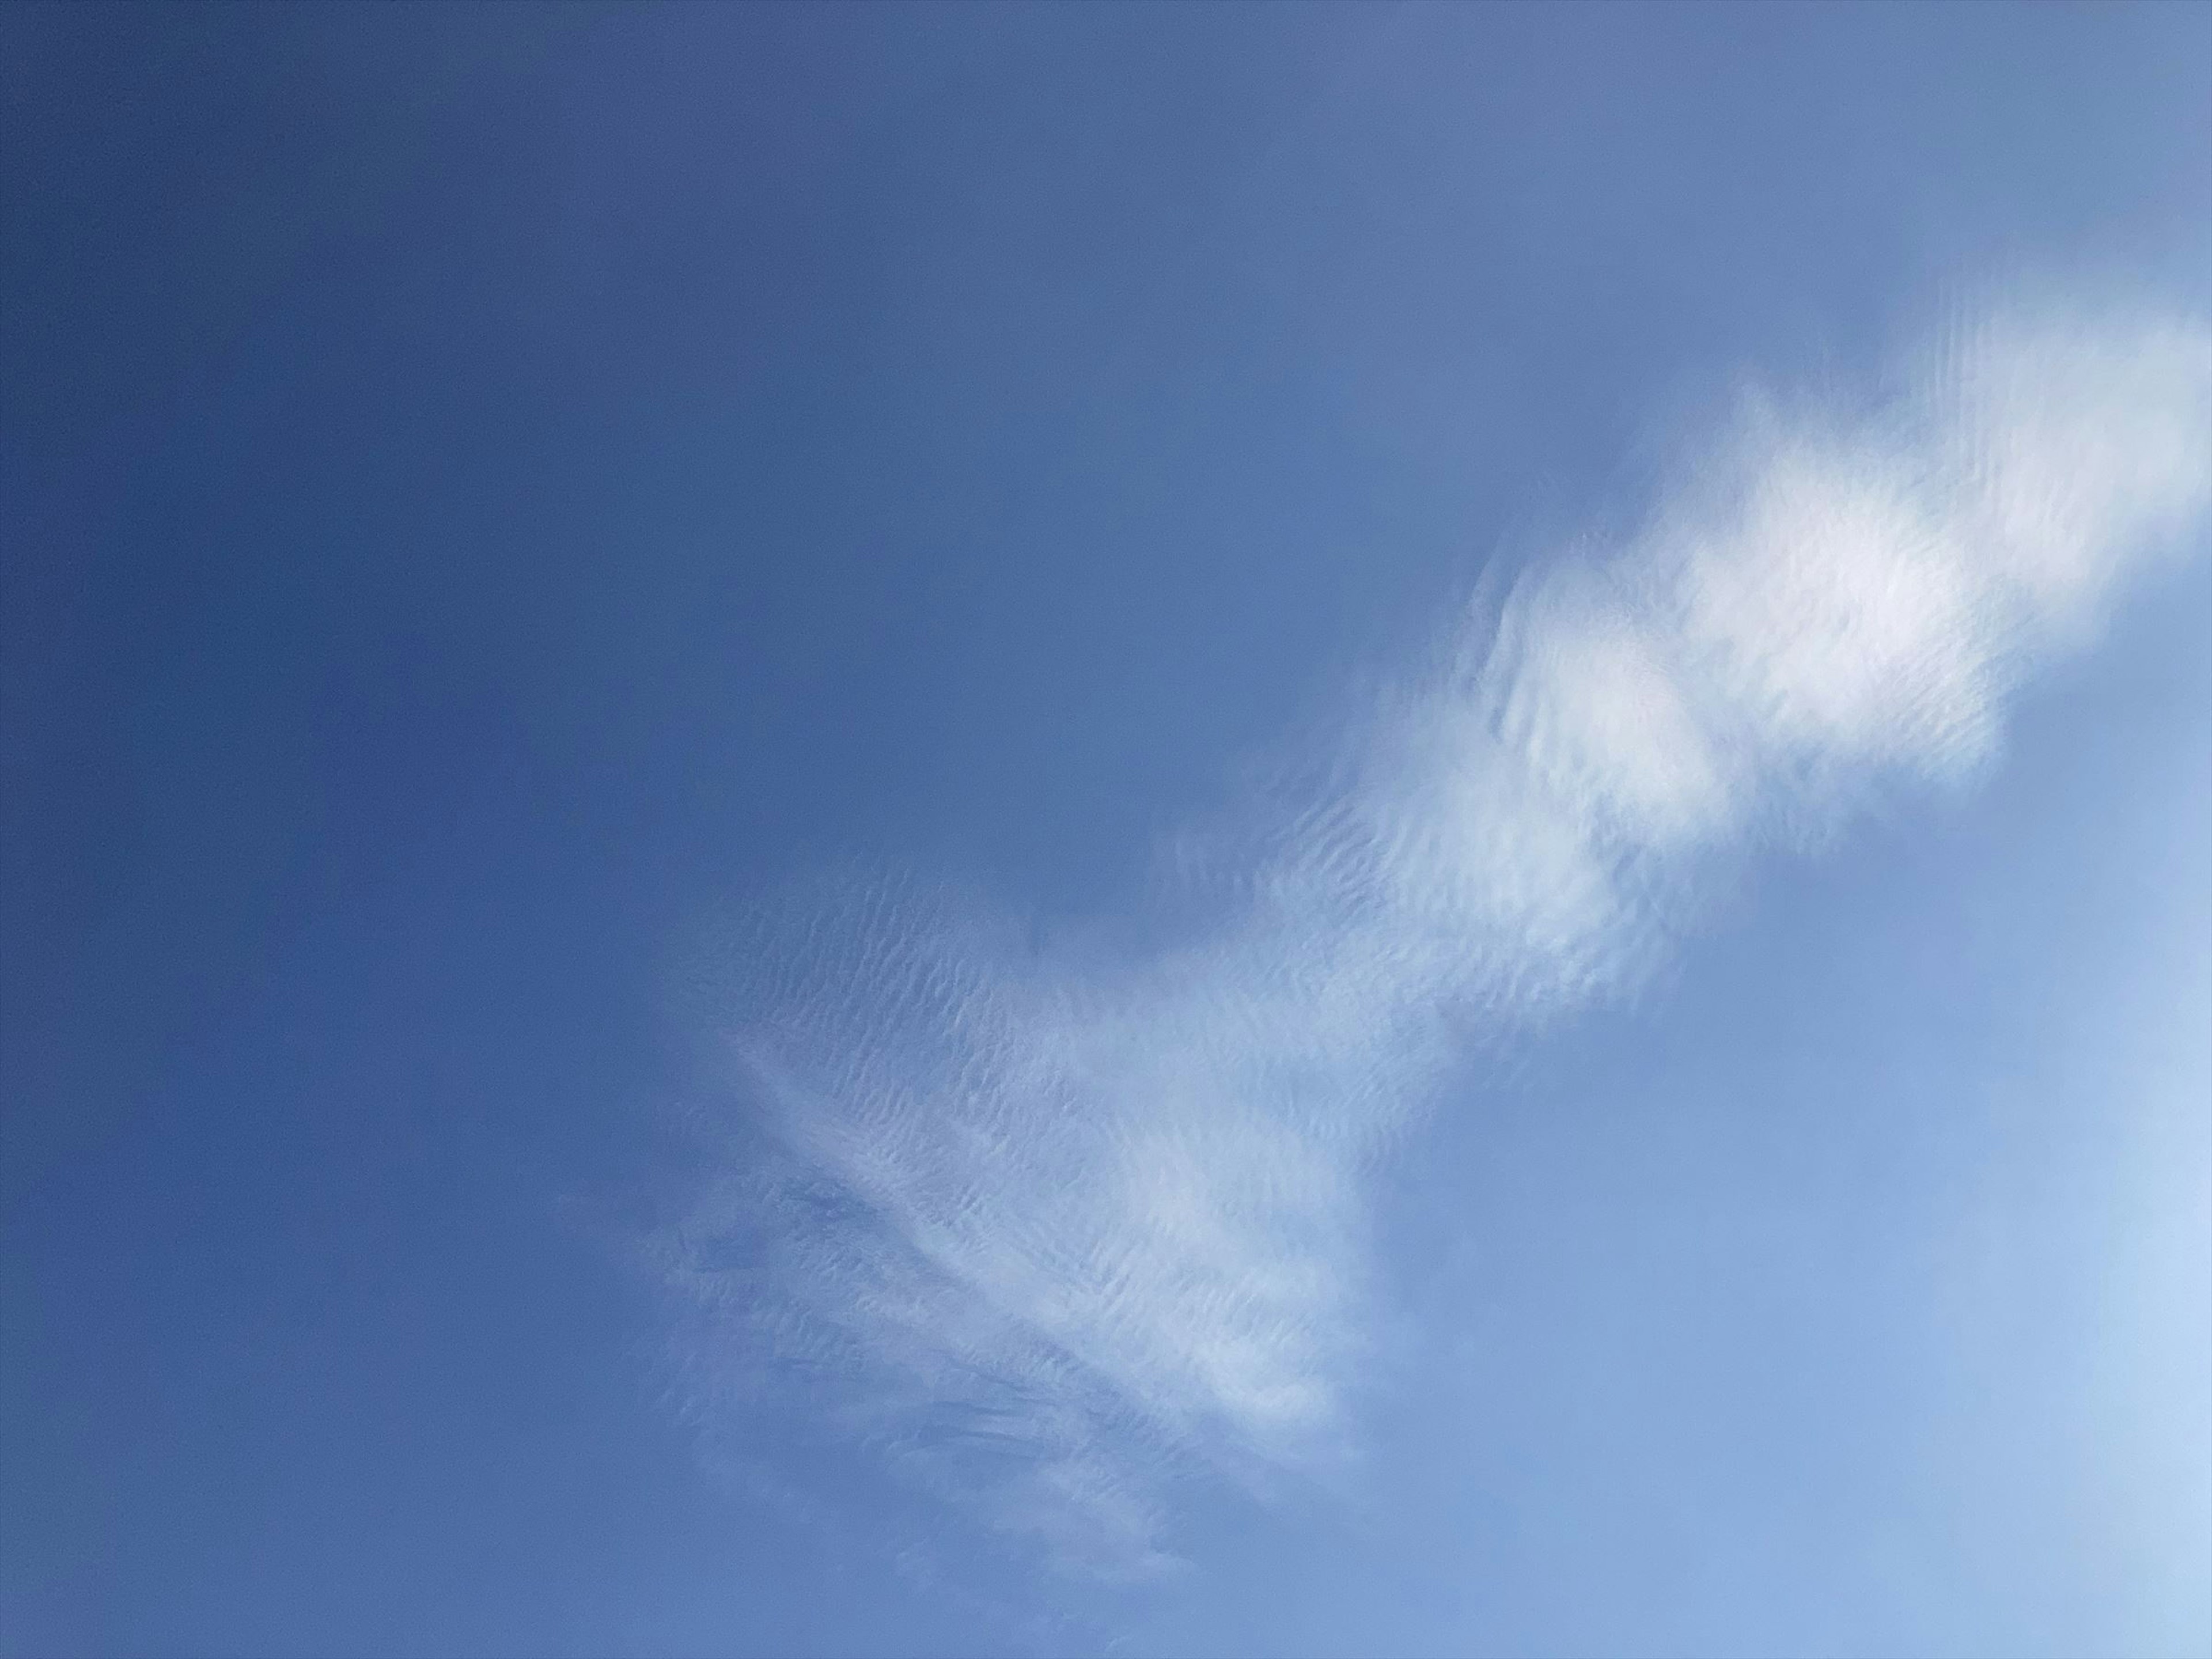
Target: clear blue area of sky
{"points": [[480, 489]]}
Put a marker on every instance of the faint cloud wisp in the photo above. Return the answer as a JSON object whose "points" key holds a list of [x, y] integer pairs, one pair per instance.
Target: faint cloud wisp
{"points": [[1048, 1229]]}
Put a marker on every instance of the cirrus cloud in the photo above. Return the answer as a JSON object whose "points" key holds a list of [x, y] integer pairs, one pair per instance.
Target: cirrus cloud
{"points": [[1048, 1229]]}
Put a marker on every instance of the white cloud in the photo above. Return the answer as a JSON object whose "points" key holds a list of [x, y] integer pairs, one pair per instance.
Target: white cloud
{"points": [[1048, 1229]]}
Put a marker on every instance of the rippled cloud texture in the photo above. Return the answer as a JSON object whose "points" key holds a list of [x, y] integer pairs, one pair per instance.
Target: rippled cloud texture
{"points": [[1049, 1228]]}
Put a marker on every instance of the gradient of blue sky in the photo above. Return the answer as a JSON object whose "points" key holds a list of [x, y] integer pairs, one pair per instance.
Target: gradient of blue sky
{"points": [[493, 498]]}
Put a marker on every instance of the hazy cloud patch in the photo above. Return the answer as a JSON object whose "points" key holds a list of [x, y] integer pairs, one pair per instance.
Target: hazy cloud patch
{"points": [[1047, 1230]]}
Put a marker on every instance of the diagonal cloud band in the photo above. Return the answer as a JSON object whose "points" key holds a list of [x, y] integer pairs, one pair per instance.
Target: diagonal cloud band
{"points": [[1046, 1228]]}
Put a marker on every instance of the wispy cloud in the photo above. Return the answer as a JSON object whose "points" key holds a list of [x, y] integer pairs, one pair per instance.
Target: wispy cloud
{"points": [[1051, 1228]]}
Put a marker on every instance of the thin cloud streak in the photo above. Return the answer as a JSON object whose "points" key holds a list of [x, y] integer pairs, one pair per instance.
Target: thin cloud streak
{"points": [[1048, 1229]]}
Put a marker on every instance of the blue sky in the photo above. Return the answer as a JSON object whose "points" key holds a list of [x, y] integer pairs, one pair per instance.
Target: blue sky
{"points": [[1214, 830]]}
